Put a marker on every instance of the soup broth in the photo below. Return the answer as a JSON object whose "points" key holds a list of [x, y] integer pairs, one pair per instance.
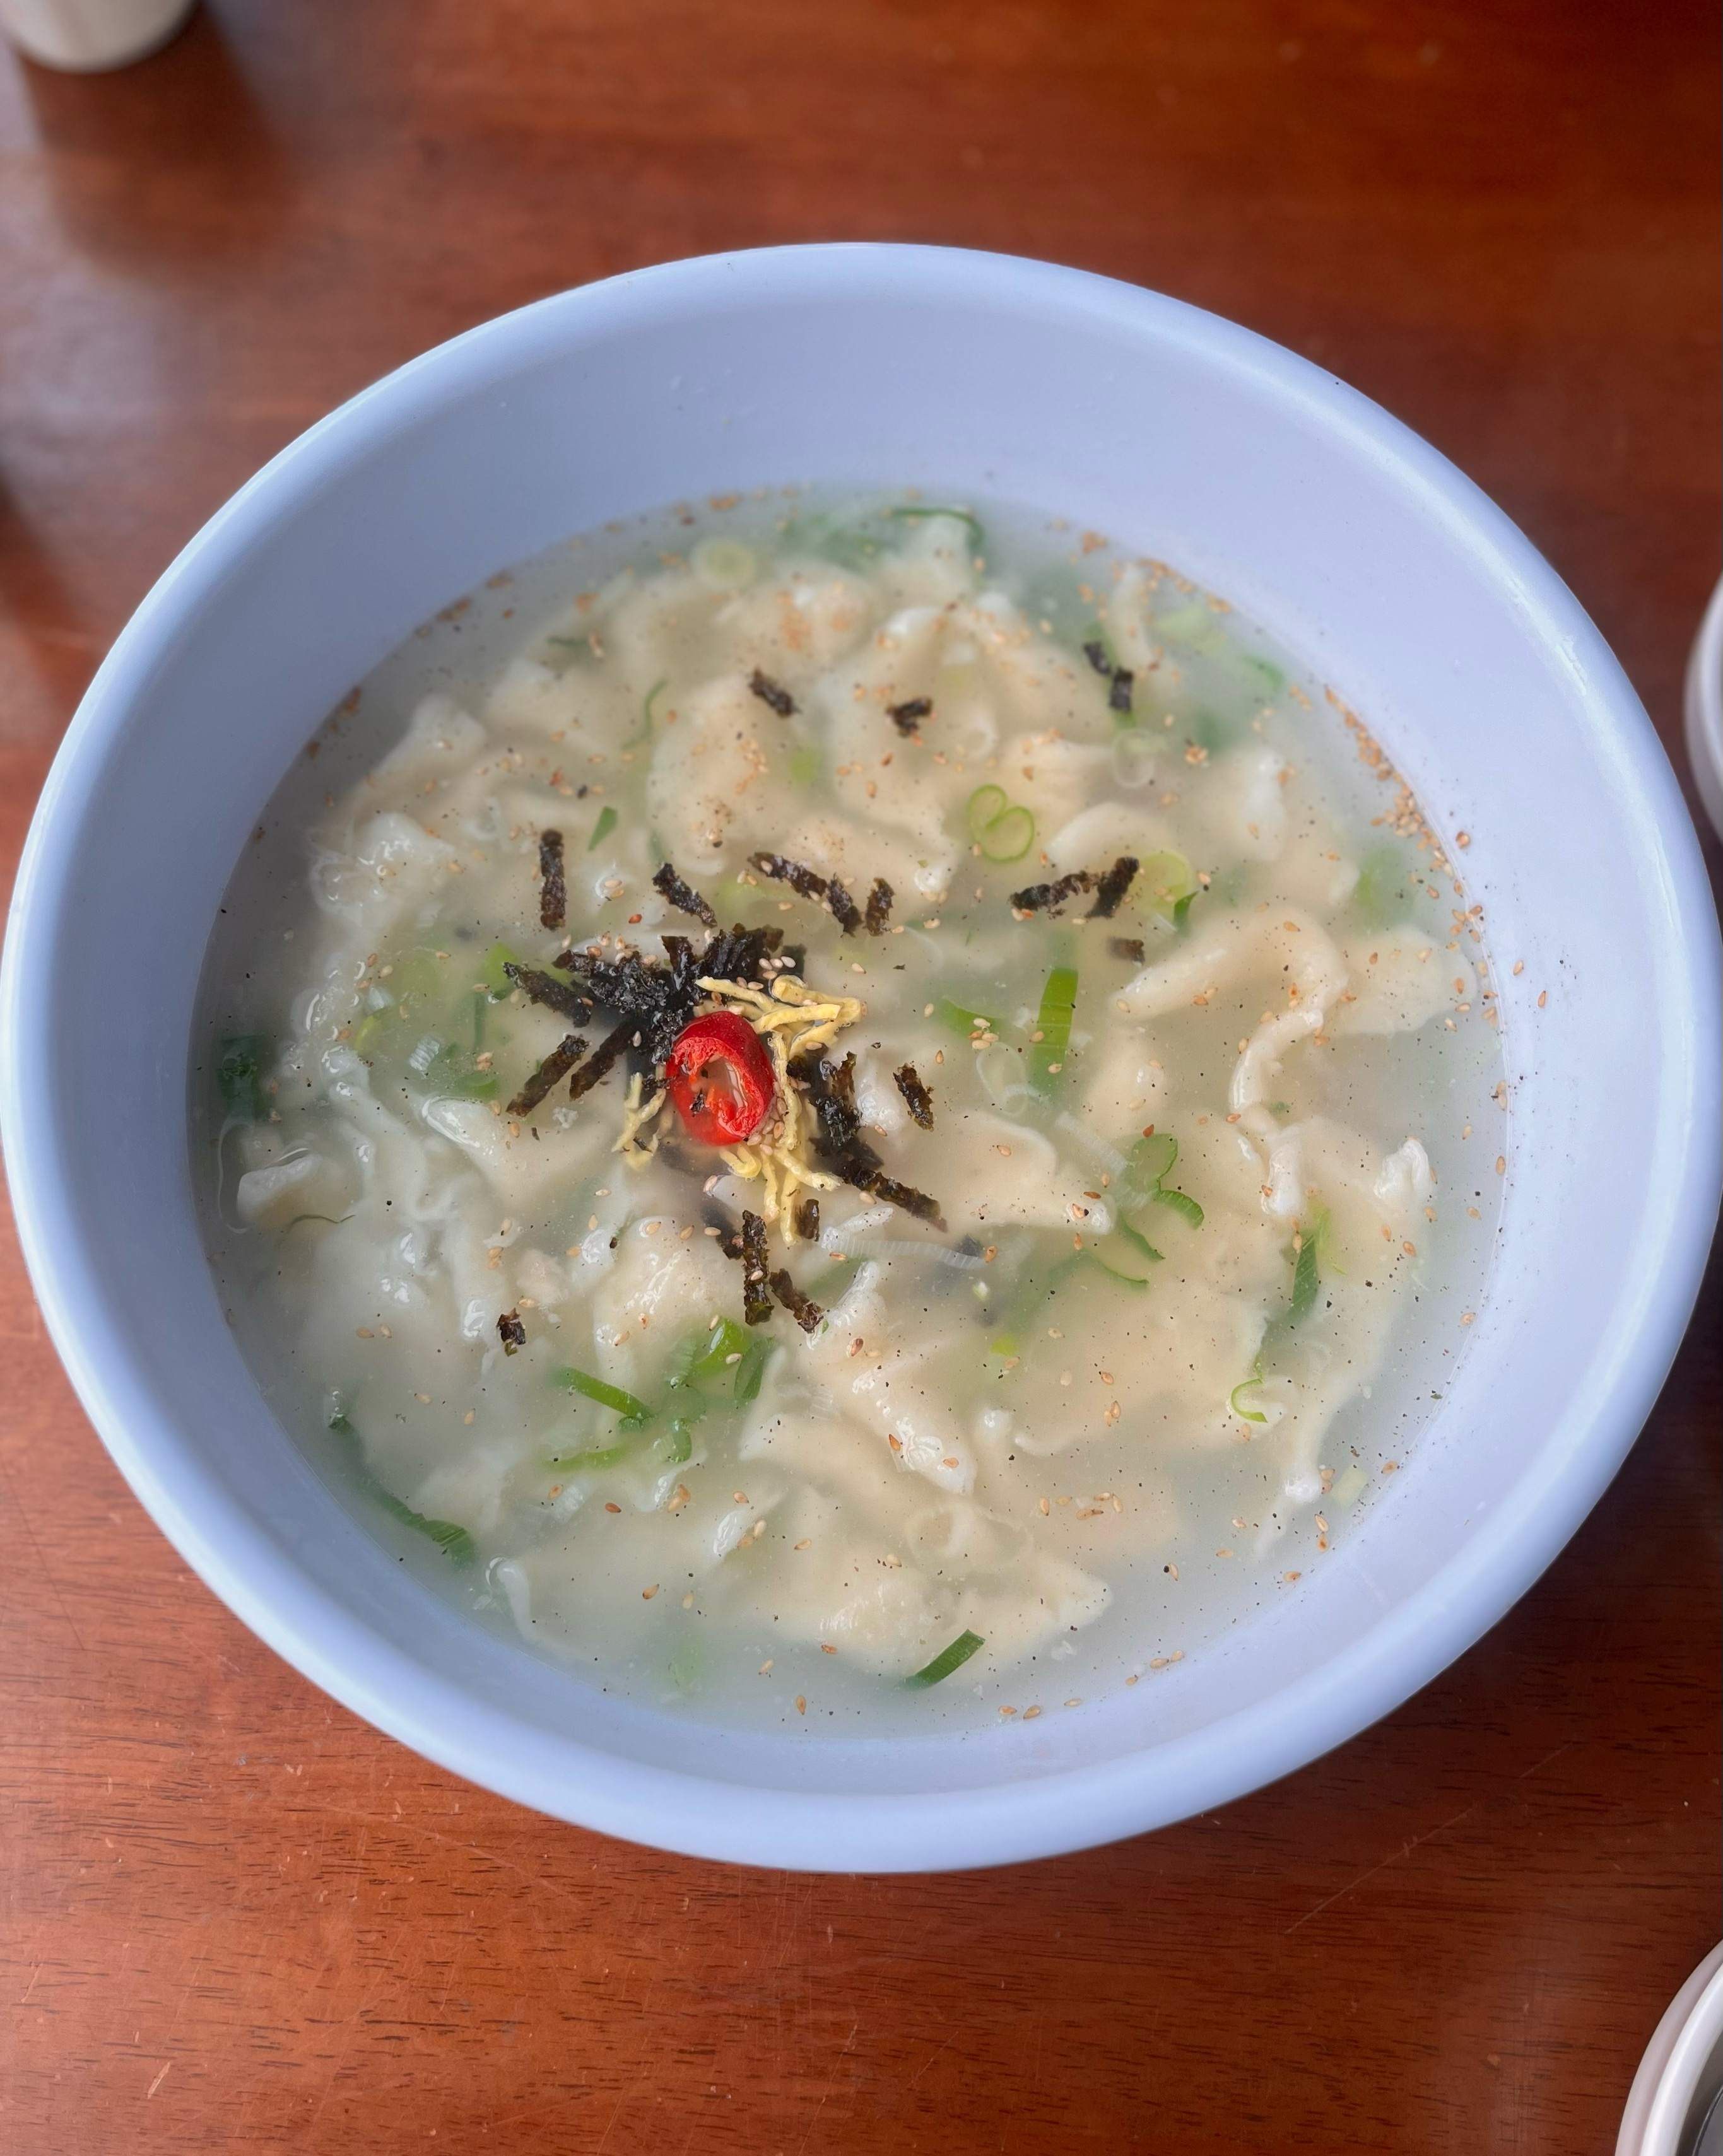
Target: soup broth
{"points": [[850, 1112]]}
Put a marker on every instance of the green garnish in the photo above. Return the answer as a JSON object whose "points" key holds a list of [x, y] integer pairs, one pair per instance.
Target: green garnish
{"points": [[656, 690], [606, 1396], [1002, 831], [1187, 1209], [1124, 1280], [1380, 893], [751, 1370], [456, 1544], [239, 1076], [1168, 882], [604, 1455], [456, 1069], [948, 1659], [804, 765], [677, 1443], [1247, 1414], [1140, 1242], [497, 984], [602, 830], [1151, 1160], [1058, 1001], [965, 1023], [978, 537], [1181, 910], [1307, 1279]]}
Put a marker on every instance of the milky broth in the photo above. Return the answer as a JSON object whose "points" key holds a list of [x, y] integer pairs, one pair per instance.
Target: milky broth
{"points": [[1103, 1363]]}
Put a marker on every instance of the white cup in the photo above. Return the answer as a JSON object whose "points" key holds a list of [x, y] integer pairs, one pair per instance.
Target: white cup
{"points": [[86, 36]]}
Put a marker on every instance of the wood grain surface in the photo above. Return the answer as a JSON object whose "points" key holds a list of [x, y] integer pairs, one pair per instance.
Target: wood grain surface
{"points": [[232, 1918]]}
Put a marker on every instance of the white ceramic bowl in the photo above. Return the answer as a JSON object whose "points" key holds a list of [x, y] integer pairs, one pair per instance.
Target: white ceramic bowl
{"points": [[1349, 538]]}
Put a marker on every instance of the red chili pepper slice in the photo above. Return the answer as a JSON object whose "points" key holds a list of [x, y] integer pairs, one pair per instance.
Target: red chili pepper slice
{"points": [[720, 1076]]}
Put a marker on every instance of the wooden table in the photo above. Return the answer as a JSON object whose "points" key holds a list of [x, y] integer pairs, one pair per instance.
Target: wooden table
{"points": [[235, 1917]]}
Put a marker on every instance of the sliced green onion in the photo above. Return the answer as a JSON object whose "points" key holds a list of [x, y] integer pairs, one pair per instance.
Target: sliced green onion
{"points": [[497, 984], [1181, 911], [602, 830], [456, 1544], [948, 1659], [1124, 1280], [978, 537], [1307, 1279], [1003, 832], [1151, 1160], [604, 1455], [1008, 837], [606, 1396], [1187, 1209], [1058, 1001], [1166, 880], [1245, 1414], [239, 1076], [751, 1370], [966, 1024], [804, 765], [677, 1444], [1139, 1242]]}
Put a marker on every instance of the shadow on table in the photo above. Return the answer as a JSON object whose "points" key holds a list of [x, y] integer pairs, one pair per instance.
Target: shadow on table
{"points": [[165, 166]]}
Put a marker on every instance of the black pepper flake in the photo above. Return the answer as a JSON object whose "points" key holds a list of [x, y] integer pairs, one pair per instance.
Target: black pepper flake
{"points": [[879, 906], [683, 897], [1128, 947], [916, 1097], [806, 1312], [555, 1067], [1110, 890], [807, 1219], [756, 1303], [552, 888], [907, 717], [845, 910], [510, 1332], [772, 694]]}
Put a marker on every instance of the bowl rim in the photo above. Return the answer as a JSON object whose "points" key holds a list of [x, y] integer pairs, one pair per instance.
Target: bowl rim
{"points": [[1006, 1821]]}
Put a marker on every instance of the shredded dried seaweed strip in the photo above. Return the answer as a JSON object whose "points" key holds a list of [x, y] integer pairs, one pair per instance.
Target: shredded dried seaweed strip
{"points": [[683, 897], [807, 882], [1118, 693], [1110, 890], [553, 885], [1049, 897], [772, 694], [510, 1332], [879, 906], [555, 1067], [807, 1219], [729, 1235], [1096, 655], [756, 1303], [844, 909], [917, 1098], [907, 717], [871, 1177], [543, 988], [610, 1052], [831, 1088], [1130, 948], [802, 1308]]}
